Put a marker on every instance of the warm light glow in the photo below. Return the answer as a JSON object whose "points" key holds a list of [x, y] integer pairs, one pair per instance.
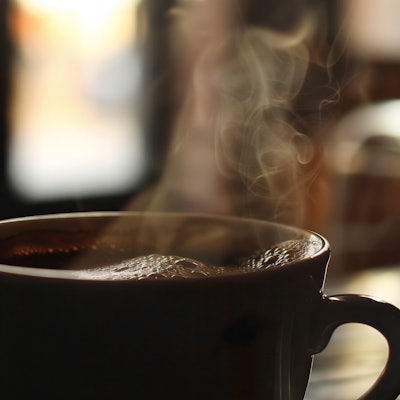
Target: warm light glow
{"points": [[372, 28], [89, 7], [77, 77], [350, 134]]}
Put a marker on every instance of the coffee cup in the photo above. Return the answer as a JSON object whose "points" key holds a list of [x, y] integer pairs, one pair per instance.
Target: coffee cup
{"points": [[80, 321]]}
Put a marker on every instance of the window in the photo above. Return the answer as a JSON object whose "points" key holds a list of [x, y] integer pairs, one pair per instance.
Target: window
{"points": [[76, 94]]}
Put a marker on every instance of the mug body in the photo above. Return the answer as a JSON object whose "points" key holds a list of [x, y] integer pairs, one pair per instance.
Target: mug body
{"points": [[232, 336]]}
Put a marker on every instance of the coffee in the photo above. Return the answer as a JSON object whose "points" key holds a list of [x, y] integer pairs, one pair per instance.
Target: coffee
{"points": [[155, 247], [100, 263], [157, 266]]}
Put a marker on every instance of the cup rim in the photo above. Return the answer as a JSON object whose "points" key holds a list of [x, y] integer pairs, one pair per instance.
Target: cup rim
{"points": [[64, 274]]}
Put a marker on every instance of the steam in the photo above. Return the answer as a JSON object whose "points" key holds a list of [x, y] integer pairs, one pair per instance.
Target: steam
{"points": [[255, 139], [235, 148]]}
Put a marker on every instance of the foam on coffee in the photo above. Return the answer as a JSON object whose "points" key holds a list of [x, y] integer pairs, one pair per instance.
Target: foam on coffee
{"points": [[159, 266]]}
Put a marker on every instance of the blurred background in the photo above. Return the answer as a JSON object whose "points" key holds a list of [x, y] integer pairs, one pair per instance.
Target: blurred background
{"points": [[73, 105], [89, 96], [108, 105]]}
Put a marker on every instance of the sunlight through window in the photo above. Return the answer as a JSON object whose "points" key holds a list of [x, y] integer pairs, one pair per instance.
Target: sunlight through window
{"points": [[77, 74]]}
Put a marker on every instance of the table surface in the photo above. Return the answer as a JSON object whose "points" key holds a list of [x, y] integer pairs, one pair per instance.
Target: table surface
{"points": [[356, 354]]}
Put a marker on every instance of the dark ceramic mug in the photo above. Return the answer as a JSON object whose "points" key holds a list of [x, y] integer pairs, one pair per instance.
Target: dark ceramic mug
{"points": [[239, 335]]}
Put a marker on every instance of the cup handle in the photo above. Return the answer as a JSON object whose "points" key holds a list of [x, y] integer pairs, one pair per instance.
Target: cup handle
{"points": [[342, 309]]}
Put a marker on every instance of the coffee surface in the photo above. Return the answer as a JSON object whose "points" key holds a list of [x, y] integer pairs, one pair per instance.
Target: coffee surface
{"points": [[158, 253], [158, 266]]}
